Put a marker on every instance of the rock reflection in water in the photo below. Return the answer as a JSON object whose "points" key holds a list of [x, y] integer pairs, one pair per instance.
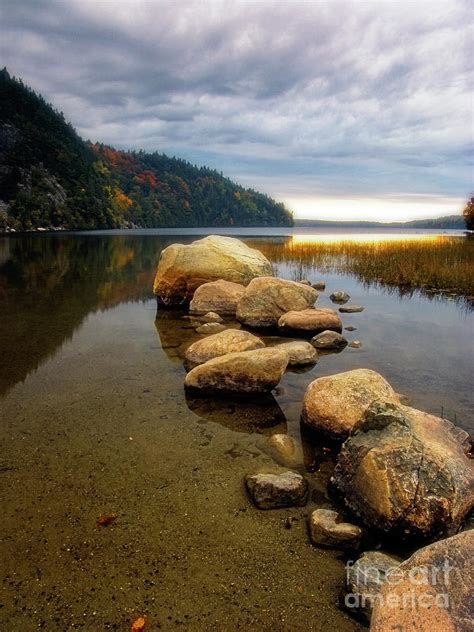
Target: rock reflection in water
{"points": [[260, 415]]}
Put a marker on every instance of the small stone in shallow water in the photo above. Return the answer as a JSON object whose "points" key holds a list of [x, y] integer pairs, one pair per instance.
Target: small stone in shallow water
{"points": [[211, 317], [319, 285], [350, 328], [329, 340], [327, 528], [351, 309], [339, 297], [272, 491], [356, 344]]}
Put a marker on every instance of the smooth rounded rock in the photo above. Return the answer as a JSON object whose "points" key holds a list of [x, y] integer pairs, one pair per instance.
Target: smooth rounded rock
{"points": [[210, 328], [329, 340], [339, 297], [333, 404], [273, 491], [328, 529], [285, 450], [183, 268], [211, 317], [351, 309], [257, 371], [217, 296], [301, 353], [308, 322], [319, 285], [228, 341], [266, 298]]}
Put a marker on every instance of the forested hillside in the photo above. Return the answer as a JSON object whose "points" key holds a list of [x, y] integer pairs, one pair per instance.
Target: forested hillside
{"points": [[51, 178]]}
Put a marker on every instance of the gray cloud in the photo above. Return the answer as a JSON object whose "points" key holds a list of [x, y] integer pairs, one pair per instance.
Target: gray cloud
{"points": [[304, 98]]}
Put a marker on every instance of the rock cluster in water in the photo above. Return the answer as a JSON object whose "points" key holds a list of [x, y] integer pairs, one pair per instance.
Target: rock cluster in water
{"points": [[400, 473]]}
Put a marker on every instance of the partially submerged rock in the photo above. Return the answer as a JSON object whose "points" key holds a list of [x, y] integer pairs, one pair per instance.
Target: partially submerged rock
{"points": [[432, 591], [308, 322], [364, 580], [339, 297], [183, 268], [319, 285], [210, 328], [272, 491], [211, 317], [327, 528], [329, 340], [355, 344], [266, 298], [351, 309], [257, 371], [405, 472], [217, 296], [227, 341], [301, 353], [285, 450], [333, 404]]}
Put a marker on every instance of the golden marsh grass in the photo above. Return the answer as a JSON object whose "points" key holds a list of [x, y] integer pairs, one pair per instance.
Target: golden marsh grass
{"points": [[436, 263]]}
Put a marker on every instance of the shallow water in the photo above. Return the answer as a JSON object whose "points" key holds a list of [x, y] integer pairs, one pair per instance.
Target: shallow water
{"points": [[94, 419]]}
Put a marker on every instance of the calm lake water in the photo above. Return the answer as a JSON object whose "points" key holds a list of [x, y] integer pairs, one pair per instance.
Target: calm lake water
{"points": [[94, 419]]}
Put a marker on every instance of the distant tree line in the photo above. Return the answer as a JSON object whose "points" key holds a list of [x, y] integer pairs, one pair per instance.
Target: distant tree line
{"points": [[50, 177]]}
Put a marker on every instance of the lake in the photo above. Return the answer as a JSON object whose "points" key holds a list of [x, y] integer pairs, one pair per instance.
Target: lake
{"points": [[94, 420]]}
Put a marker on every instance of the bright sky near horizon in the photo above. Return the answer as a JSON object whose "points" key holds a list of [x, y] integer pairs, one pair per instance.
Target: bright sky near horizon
{"points": [[341, 109]]}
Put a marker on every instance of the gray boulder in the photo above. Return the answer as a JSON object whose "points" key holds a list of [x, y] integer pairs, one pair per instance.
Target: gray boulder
{"points": [[364, 580]]}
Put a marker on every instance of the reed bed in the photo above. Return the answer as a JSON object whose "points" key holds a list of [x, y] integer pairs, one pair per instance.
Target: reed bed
{"points": [[441, 263]]}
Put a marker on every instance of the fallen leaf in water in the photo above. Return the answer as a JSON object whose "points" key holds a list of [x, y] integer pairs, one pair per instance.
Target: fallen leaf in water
{"points": [[105, 519], [138, 624]]}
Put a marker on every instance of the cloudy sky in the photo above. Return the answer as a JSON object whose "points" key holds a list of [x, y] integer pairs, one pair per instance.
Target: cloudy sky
{"points": [[340, 109]]}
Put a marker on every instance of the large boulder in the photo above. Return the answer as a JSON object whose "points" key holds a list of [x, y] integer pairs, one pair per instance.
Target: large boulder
{"points": [[327, 528], [405, 472], [228, 341], [266, 298], [431, 591], [333, 404], [217, 296], [272, 491], [301, 352], [183, 268], [257, 371], [309, 322]]}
